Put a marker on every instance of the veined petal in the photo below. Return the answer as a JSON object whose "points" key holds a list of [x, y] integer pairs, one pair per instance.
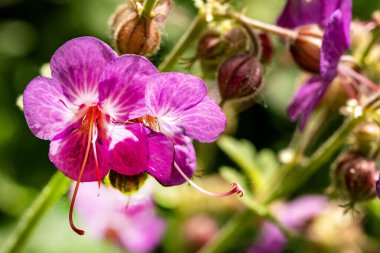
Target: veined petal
{"points": [[306, 99], [161, 154], [336, 41], [122, 87], [46, 109], [68, 155], [184, 157], [128, 147], [169, 94], [77, 66], [203, 122]]}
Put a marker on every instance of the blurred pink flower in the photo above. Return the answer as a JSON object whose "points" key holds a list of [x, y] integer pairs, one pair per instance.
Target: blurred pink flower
{"points": [[129, 221]]}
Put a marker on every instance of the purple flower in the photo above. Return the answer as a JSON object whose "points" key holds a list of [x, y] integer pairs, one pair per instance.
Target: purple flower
{"points": [[335, 17], [85, 111], [294, 216], [129, 221]]}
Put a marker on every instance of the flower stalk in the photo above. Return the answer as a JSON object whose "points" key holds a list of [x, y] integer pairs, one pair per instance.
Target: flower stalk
{"points": [[148, 7], [52, 192]]}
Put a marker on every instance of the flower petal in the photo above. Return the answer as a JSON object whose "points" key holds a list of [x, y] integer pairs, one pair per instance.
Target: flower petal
{"points": [[336, 41], [128, 145], [122, 87], [169, 94], [306, 99], [301, 12], [161, 154], [203, 122], [68, 155], [184, 157], [46, 109], [77, 66]]}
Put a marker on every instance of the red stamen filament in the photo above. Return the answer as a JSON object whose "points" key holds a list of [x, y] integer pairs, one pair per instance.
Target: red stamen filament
{"points": [[236, 188], [91, 125]]}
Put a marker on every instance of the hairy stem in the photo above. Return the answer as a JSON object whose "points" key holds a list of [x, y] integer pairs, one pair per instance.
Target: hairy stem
{"points": [[148, 7], [269, 28], [53, 191]]}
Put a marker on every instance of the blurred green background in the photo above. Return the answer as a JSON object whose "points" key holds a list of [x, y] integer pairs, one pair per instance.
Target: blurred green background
{"points": [[30, 32]]}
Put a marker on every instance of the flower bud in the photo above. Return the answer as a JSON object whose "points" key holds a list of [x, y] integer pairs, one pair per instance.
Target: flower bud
{"points": [[132, 33], [306, 48], [354, 177], [239, 76], [211, 46]]}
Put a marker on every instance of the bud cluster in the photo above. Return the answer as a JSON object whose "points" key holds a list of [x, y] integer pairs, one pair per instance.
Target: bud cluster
{"points": [[237, 56]]}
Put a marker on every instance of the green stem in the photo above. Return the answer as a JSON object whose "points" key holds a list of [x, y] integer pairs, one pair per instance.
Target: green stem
{"points": [[53, 191], [375, 37], [148, 7], [195, 29]]}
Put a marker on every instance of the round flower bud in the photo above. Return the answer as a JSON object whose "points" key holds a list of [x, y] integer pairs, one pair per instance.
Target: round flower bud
{"points": [[306, 48], [354, 177], [134, 34], [239, 76]]}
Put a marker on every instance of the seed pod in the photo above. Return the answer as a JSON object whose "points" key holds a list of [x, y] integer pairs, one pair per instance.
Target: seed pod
{"points": [[354, 177], [306, 48], [126, 184], [134, 34], [239, 76]]}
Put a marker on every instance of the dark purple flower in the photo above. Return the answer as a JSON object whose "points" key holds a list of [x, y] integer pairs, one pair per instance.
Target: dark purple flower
{"points": [[129, 221], [335, 17], [294, 216]]}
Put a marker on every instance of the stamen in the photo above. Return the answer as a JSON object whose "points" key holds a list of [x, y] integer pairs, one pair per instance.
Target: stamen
{"points": [[236, 188], [79, 231]]}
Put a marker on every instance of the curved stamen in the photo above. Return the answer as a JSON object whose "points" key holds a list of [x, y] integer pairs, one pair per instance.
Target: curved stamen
{"points": [[236, 188], [79, 231]]}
